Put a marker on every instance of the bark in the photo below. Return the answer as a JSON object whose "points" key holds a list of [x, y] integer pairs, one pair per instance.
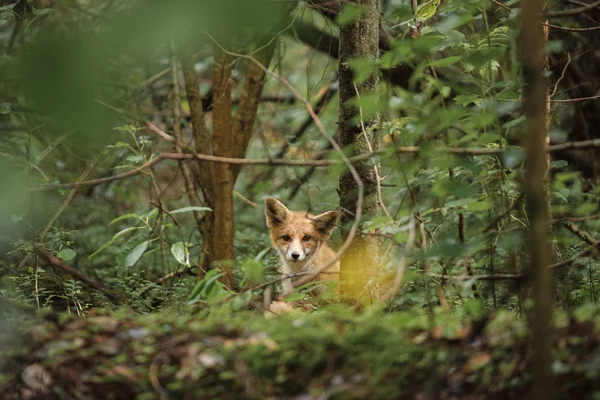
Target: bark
{"points": [[535, 103], [220, 242], [359, 39]]}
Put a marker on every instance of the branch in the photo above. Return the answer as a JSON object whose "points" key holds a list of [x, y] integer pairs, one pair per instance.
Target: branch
{"points": [[322, 101], [505, 214], [495, 277], [580, 145], [76, 274], [573, 11], [192, 90], [579, 233], [560, 264], [564, 28], [316, 38], [249, 102], [188, 176]]}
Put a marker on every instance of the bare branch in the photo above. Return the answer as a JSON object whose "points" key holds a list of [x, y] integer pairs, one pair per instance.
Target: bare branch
{"points": [[579, 145], [76, 274], [505, 214], [573, 11], [249, 101], [188, 177]]}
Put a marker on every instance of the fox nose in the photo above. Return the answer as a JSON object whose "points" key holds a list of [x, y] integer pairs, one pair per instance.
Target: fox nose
{"points": [[295, 255]]}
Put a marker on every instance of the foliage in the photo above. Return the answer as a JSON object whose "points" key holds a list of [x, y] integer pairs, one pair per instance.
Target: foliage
{"points": [[81, 81]]}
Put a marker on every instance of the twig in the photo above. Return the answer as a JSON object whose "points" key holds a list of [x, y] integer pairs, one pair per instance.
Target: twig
{"points": [[562, 75], [153, 376], [564, 28], [172, 275], [581, 254], [76, 274], [578, 145], [505, 214], [475, 277], [375, 165], [244, 199], [560, 264], [402, 265], [496, 2], [573, 11], [188, 179], [579, 232], [578, 219], [576, 99], [58, 212]]}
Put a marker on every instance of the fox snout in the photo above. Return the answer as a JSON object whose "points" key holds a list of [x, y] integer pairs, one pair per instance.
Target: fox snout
{"points": [[296, 252]]}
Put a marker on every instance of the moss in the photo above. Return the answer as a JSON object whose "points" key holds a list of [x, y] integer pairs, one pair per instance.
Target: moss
{"points": [[331, 352]]}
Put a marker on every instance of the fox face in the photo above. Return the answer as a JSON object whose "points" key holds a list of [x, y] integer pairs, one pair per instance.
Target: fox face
{"points": [[297, 236]]}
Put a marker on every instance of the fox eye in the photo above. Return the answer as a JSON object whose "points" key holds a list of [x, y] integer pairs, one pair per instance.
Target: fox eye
{"points": [[286, 238], [305, 238]]}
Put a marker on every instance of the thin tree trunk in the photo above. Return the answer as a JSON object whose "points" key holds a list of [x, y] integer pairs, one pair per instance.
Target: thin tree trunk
{"points": [[535, 100], [359, 39], [229, 138], [186, 171], [221, 201]]}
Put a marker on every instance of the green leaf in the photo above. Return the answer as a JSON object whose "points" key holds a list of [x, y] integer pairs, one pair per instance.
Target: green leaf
{"points": [[254, 271], [481, 205], [136, 253], [117, 145], [191, 208], [66, 254], [466, 99], [427, 10], [4, 108], [104, 246], [180, 250], [514, 122], [43, 11], [349, 13], [126, 230], [122, 217], [362, 69], [126, 128], [445, 62], [150, 214], [204, 285]]}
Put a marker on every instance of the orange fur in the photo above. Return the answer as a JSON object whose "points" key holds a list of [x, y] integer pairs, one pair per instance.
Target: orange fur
{"points": [[300, 239]]}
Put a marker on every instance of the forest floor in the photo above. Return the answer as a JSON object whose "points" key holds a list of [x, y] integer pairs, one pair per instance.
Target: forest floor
{"points": [[330, 353]]}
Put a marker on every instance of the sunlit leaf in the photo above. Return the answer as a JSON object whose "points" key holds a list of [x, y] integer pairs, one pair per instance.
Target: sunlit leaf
{"points": [[125, 216], [66, 254], [180, 250], [136, 253]]}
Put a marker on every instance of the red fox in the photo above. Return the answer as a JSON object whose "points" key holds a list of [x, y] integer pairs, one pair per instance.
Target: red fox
{"points": [[300, 238]]}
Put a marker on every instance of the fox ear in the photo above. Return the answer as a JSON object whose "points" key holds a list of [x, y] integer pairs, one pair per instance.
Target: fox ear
{"points": [[324, 223], [275, 211]]}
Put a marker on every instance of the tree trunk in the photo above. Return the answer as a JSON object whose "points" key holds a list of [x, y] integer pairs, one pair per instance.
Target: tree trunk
{"points": [[535, 103], [229, 139], [358, 39], [221, 250]]}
